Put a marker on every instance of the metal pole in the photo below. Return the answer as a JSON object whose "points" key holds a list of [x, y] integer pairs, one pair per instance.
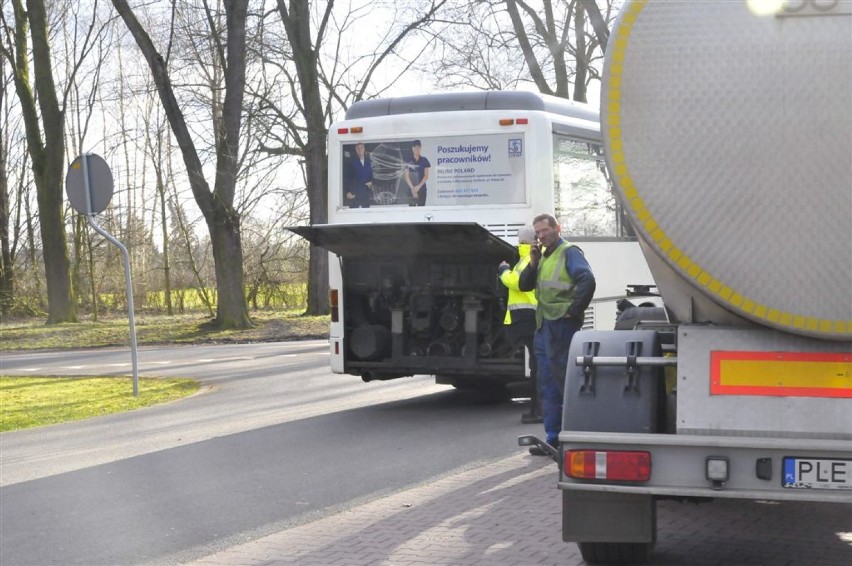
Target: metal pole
{"points": [[611, 361], [127, 285]]}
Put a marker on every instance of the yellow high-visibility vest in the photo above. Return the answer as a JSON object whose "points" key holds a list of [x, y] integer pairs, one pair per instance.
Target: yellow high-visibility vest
{"points": [[517, 299]]}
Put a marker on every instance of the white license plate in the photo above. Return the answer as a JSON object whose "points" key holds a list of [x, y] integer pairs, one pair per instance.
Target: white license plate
{"points": [[817, 473]]}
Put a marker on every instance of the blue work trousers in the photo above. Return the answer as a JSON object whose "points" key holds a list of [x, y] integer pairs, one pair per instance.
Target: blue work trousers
{"points": [[552, 342]]}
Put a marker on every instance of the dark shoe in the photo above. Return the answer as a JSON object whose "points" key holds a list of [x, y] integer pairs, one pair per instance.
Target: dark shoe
{"points": [[531, 418], [539, 451]]}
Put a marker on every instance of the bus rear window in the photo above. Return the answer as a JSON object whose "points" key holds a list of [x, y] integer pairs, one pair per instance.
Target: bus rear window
{"points": [[583, 195]]}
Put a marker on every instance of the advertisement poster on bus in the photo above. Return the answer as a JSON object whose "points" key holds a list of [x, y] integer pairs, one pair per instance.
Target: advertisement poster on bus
{"points": [[435, 171]]}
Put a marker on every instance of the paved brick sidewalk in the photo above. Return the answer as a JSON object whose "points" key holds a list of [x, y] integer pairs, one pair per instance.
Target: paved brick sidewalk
{"points": [[509, 513], [483, 516]]}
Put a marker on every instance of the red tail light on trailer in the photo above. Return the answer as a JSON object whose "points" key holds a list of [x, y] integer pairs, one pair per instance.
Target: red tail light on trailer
{"points": [[616, 465]]}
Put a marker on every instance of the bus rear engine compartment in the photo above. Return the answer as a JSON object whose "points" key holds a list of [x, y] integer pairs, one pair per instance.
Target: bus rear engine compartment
{"points": [[421, 298], [407, 316]]}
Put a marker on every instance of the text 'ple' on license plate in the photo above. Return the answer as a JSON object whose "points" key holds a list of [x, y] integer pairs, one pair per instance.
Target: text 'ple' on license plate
{"points": [[817, 473]]}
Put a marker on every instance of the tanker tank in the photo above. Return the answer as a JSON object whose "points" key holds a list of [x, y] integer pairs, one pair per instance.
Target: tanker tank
{"points": [[729, 135]]}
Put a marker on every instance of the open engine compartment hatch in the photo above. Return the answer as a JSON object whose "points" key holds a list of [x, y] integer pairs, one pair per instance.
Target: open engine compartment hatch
{"points": [[421, 239], [422, 298]]}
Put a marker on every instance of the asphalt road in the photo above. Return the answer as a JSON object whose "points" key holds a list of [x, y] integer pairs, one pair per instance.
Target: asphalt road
{"points": [[256, 467], [272, 440]]}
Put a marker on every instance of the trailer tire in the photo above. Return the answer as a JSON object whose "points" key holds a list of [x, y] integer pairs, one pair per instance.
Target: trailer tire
{"points": [[631, 317], [616, 552]]}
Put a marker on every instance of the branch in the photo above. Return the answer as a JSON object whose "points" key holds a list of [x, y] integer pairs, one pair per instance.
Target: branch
{"points": [[390, 48], [598, 23], [526, 48], [194, 168]]}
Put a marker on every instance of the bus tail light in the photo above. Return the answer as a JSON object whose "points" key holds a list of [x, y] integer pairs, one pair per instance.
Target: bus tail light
{"points": [[513, 121], [333, 296], [616, 465], [507, 121]]}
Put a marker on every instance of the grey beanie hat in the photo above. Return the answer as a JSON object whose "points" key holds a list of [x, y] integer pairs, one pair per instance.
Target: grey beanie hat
{"points": [[526, 235]]}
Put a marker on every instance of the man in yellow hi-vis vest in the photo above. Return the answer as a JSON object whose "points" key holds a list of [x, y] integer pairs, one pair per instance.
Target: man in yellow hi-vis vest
{"points": [[520, 315], [564, 285]]}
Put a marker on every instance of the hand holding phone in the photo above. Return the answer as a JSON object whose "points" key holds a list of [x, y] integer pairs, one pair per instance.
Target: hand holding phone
{"points": [[535, 252]]}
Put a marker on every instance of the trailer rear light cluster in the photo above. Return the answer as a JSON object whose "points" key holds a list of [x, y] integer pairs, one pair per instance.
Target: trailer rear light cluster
{"points": [[616, 465], [333, 296]]}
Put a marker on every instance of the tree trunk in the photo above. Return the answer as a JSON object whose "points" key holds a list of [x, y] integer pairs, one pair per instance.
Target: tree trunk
{"points": [[317, 300], [48, 156], [232, 311], [7, 266], [297, 23], [167, 261], [582, 76]]}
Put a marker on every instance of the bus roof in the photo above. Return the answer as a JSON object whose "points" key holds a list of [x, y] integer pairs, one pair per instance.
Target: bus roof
{"points": [[461, 101]]}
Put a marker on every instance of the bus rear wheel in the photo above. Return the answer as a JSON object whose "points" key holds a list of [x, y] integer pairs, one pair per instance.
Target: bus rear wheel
{"points": [[488, 391]]}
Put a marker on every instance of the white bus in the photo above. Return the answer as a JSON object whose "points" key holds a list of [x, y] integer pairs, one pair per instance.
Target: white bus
{"points": [[413, 278]]}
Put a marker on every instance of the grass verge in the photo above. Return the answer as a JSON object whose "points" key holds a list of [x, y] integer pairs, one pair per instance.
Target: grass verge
{"points": [[269, 326], [27, 402]]}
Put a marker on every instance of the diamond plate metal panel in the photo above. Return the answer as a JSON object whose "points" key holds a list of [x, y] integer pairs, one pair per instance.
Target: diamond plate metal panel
{"points": [[730, 138]]}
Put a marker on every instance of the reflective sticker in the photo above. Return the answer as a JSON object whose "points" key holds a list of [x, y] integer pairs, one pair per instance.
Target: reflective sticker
{"points": [[781, 374]]}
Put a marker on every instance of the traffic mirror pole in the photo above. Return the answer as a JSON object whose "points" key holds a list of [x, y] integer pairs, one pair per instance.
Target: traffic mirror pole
{"points": [[90, 217]]}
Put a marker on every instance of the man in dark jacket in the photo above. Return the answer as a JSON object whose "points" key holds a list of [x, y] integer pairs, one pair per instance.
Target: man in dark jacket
{"points": [[564, 285], [359, 191]]}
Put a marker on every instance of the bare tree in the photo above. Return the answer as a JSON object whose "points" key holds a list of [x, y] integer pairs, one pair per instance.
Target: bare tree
{"points": [[7, 257], [83, 88], [504, 43], [156, 145], [321, 81], [217, 206], [44, 124]]}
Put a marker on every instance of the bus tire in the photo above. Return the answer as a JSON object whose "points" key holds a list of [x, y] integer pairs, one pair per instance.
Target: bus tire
{"points": [[616, 552], [487, 391]]}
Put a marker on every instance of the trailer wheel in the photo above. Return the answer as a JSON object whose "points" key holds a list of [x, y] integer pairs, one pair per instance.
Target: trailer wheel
{"points": [[616, 552], [632, 316]]}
